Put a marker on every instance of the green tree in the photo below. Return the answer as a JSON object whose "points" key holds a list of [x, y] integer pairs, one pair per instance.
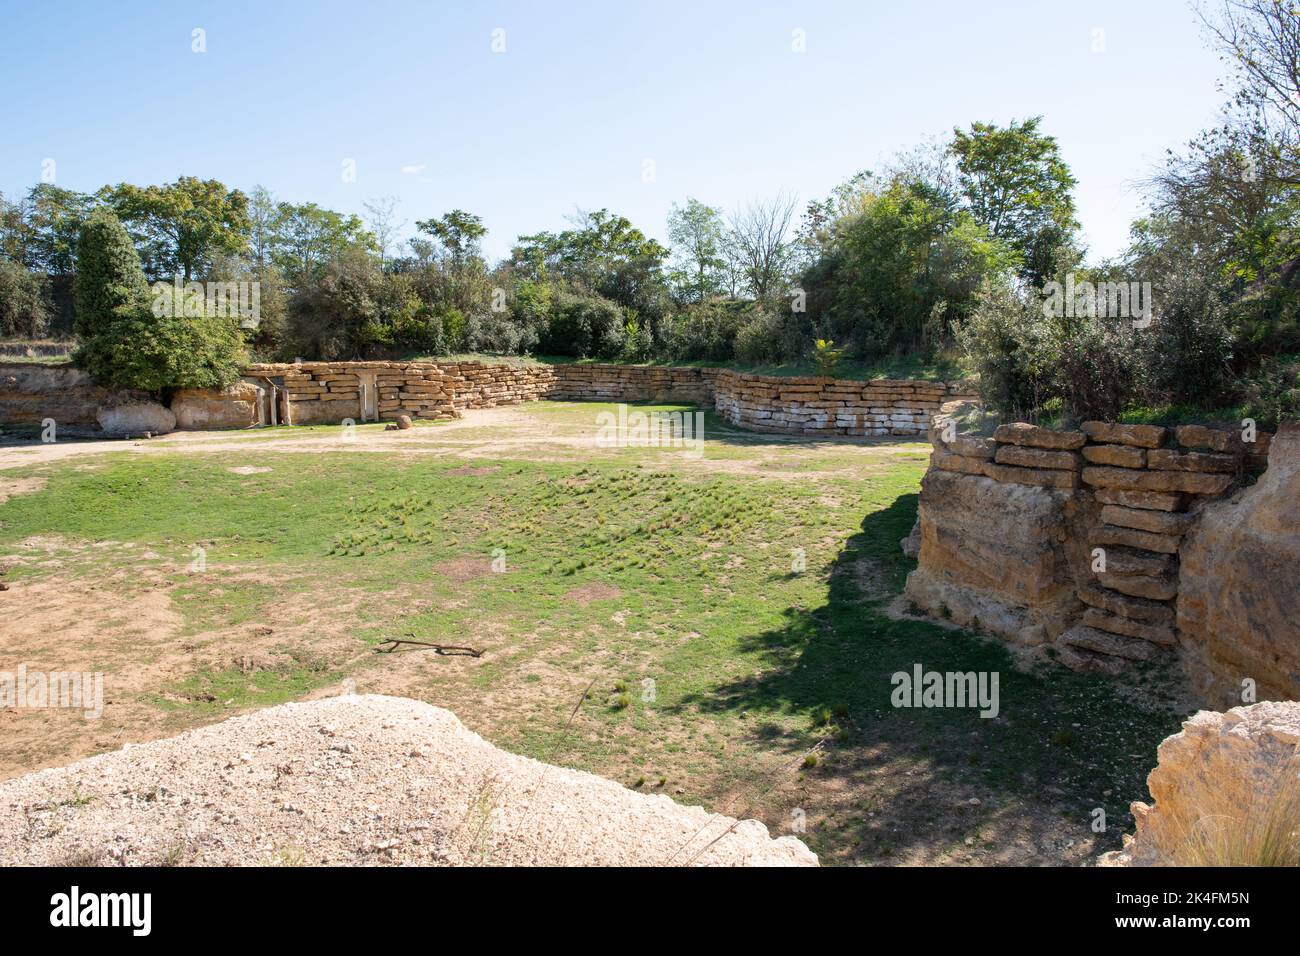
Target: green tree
{"points": [[110, 282], [181, 225], [696, 232], [307, 238], [1019, 188]]}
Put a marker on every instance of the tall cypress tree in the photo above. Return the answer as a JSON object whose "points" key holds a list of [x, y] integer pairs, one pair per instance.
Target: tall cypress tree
{"points": [[110, 282]]}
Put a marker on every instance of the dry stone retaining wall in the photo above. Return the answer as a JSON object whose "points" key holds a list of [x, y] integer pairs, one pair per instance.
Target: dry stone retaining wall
{"points": [[1077, 537]]}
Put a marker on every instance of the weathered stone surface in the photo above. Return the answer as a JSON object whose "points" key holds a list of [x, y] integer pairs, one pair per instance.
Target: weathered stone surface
{"points": [[1222, 439], [232, 407], [1160, 522], [1151, 500], [1141, 436], [1121, 456], [1133, 538], [1166, 459], [1030, 457], [970, 447], [1133, 608], [403, 422], [136, 418], [1041, 477], [957, 463], [1112, 645], [1217, 785], [31, 393], [1162, 588], [994, 554], [1128, 479], [1129, 561], [1162, 634], [1081, 659], [1022, 433], [1239, 603]]}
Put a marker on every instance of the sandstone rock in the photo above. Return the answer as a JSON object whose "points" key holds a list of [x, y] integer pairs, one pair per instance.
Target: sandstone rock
{"points": [[1133, 608], [1150, 500], [1160, 522], [1129, 561], [1166, 459], [136, 418], [1133, 538], [31, 393], [1129, 479], [1081, 659], [1222, 788], [1142, 436], [1155, 588], [1022, 433], [911, 545], [1240, 577], [1112, 645], [1041, 477], [403, 422], [1222, 439], [232, 407], [968, 447], [957, 463], [1036, 457], [1161, 634], [994, 554], [1122, 456]]}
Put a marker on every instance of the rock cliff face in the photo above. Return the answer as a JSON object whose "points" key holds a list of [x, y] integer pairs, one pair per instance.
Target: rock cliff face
{"points": [[201, 408], [1239, 587], [993, 556], [1226, 790], [29, 394]]}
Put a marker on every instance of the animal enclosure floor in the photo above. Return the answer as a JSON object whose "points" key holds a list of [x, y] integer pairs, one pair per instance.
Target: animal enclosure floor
{"points": [[731, 616]]}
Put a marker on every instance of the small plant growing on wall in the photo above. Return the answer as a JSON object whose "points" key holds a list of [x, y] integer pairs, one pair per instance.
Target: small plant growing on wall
{"points": [[826, 357]]}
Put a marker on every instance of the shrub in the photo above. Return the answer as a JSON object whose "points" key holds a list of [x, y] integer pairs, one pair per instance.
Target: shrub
{"points": [[1004, 344], [706, 331], [584, 326], [499, 333], [337, 316], [760, 339], [1186, 352], [152, 353], [1272, 394], [24, 310], [1094, 368], [109, 281]]}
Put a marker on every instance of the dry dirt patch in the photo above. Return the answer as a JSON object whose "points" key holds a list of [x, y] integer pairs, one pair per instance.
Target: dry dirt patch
{"points": [[597, 591], [13, 487]]}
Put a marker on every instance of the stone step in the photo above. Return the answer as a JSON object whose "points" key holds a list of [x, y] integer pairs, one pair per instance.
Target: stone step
{"points": [[1112, 645], [1162, 634], [1130, 561], [1161, 588], [1157, 522], [1133, 608], [1133, 538], [1080, 659], [1141, 436]]}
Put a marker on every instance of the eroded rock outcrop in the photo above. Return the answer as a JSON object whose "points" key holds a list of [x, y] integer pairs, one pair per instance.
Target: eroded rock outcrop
{"points": [[1239, 587], [1226, 791], [136, 418], [231, 407]]}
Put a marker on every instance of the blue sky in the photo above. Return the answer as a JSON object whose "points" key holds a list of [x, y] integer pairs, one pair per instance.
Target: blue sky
{"points": [[583, 95]]}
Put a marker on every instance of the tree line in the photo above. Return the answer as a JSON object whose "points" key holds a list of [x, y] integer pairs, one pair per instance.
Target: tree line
{"points": [[956, 249]]}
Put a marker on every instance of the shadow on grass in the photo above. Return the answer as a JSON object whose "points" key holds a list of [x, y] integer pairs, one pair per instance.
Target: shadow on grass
{"points": [[895, 780]]}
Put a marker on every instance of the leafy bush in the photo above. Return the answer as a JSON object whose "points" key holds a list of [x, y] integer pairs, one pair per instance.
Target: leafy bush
{"points": [[1005, 345], [761, 338], [24, 310], [1272, 394], [499, 333], [338, 316], [144, 351], [1186, 352], [1093, 366], [584, 326]]}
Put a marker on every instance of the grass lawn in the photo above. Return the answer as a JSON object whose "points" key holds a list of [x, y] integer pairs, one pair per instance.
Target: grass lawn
{"points": [[721, 670]]}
